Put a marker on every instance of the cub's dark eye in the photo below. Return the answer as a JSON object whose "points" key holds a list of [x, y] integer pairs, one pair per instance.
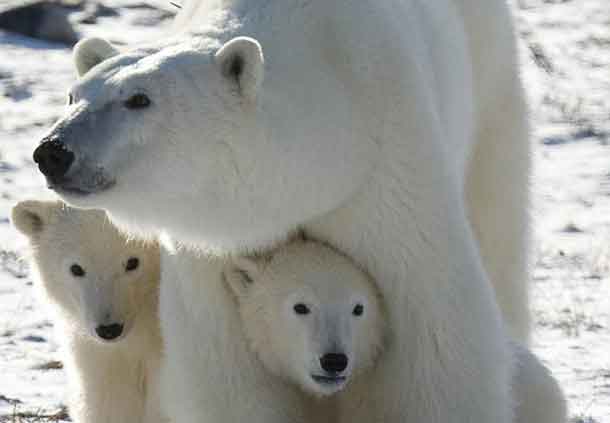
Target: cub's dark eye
{"points": [[358, 310], [301, 309], [77, 271], [132, 264], [70, 99], [137, 101]]}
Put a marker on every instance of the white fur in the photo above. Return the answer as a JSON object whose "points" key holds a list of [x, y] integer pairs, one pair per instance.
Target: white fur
{"points": [[330, 287], [90, 52], [314, 274], [243, 55], [538, 397], [110, 381], [393, 130], [210, 374]]}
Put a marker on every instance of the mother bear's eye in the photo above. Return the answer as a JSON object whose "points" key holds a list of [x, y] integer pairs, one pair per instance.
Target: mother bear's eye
{"points": [[70, 99], [137, 101], [358, 310], [77, 271], [301, 309]]}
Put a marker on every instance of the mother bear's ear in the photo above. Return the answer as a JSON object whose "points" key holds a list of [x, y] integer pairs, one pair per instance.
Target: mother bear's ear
{"points": [[241, 61], [89, 52]]}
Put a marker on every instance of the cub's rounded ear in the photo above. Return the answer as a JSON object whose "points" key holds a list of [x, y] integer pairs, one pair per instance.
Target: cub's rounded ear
{"points": [[89, 52], [241, 275], [30, 217], [241, 60]]}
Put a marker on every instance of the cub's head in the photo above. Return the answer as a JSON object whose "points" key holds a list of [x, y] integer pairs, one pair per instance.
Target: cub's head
{"points": [[194, 138], [310, 314], [96, 277]]}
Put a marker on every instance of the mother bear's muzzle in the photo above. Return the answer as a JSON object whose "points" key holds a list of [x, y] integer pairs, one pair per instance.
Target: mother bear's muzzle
{"points": [[70, 161]]}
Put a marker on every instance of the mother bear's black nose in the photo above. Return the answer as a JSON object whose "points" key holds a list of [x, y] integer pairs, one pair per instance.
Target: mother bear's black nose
{"points": [[333, 363], [53, 159]]}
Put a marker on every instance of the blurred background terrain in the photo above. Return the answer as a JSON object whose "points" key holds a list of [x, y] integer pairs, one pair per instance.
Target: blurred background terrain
{"points": [[565, 46]]}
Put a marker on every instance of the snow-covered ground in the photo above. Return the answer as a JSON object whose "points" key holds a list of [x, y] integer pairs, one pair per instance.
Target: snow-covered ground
{"points": [[566, 55]]}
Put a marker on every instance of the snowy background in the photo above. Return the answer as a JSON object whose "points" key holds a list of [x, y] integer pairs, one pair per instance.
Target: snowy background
{"points": [[566, 57]]}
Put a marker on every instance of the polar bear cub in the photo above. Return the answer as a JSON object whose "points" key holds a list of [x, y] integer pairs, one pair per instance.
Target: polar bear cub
{"points": [[316, 319], [310, 314], [105, 290]]}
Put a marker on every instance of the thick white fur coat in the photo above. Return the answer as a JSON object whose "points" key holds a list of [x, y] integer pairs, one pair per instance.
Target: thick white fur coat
{"points": [[109, 381], [395, 131]]}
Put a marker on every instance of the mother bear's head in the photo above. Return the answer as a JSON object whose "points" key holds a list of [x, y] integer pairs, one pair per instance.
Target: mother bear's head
{"points": [[205, 140]]}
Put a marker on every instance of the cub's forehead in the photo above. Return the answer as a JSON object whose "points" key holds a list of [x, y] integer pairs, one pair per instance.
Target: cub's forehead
{"points": [[321, 269], [85, 227]]}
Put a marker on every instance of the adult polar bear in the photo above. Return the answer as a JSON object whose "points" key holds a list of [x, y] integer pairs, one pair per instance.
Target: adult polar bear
{"points": [[394, 130]]}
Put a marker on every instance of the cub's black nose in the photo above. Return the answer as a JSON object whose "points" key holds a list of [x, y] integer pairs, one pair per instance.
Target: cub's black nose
{"points": [[109, 332], [333, 363], [53, 159]]}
